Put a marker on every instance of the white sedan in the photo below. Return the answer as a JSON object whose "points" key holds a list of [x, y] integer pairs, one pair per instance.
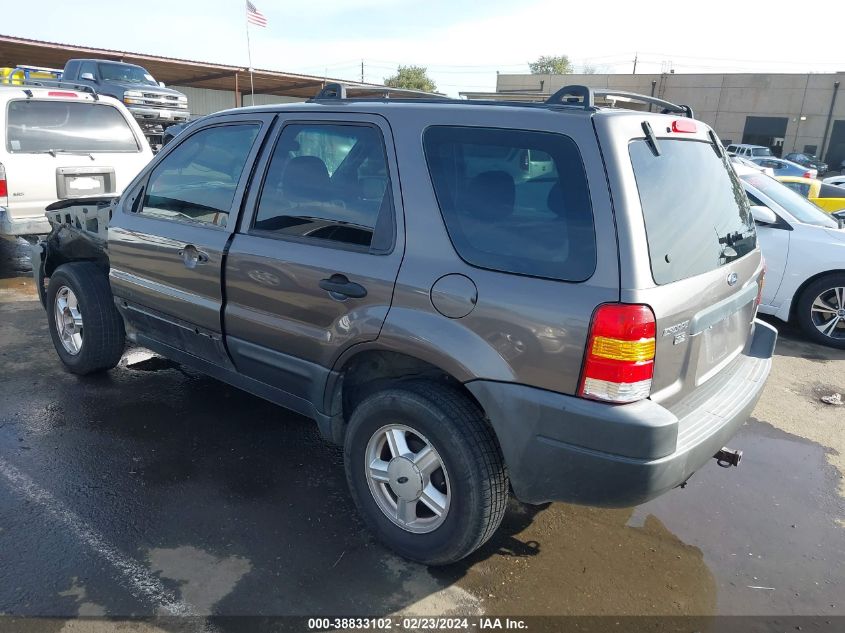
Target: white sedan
{"points": [[804, 249]]}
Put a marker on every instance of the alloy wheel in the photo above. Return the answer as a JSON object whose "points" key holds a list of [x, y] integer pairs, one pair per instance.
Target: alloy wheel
{"points": [[828, 313], [407, 478], [68, 320]]}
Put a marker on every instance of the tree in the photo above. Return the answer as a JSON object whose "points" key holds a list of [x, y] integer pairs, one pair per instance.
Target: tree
{"points": [[550, 65], [411, 78]]}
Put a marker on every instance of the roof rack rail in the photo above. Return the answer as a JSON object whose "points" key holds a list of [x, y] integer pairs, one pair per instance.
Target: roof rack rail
{"points": [[340, 91], [586, 97], [56, 83]]}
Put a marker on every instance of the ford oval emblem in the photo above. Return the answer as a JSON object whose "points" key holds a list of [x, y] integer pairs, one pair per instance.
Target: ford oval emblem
{"points": [[732, 279]]}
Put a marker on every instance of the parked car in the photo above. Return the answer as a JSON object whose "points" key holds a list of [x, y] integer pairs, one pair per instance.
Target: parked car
{"points": [[830, 198], [781, 167], [58, 144], [153, 105], [804, 250], [839, 181], [577, 336], [808, 160], [739, 160], [749, 151]]}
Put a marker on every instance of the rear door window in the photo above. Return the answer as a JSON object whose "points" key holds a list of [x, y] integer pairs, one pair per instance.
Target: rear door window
{"points": [[67, 126], [514, 201], [327, 182], [696, 213]]}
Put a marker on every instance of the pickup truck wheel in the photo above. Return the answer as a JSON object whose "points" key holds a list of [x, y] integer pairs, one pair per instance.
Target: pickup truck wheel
{"points": [[86, 329], [425, 471], [821, 310]]}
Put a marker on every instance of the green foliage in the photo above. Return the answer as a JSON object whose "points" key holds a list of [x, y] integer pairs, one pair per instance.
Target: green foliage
{"points": [[551, 65], [411, 78]]}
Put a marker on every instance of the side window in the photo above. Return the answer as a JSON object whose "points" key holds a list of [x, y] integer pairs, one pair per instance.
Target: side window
{"points": [[197, 181], [328, 182], [88, 67], [515, 201]]}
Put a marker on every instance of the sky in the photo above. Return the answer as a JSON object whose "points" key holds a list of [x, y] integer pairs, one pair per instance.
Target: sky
{"points": [[463, 44]]}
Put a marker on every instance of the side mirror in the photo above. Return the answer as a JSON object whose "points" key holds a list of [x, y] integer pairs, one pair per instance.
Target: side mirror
{"points": [[161, 84], [87, 76], [763, 215]]}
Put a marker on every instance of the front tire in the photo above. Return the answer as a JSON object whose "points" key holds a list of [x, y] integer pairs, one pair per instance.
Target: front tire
{"points": [[820, 310], [425, 471], [86, 329]]}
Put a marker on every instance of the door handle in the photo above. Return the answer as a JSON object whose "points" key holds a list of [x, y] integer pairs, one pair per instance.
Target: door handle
{"points": [[340, 288], [192, 256]]}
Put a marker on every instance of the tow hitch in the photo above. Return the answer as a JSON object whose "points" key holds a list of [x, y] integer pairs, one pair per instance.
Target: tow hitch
{"points": [[728, 457]]}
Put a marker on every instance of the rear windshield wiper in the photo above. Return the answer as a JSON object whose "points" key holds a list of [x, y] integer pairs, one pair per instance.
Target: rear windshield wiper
{"points": [[55, 152]]}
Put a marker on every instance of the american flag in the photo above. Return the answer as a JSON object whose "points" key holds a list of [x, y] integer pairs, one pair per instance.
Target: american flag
{"points": [[254, 16]]}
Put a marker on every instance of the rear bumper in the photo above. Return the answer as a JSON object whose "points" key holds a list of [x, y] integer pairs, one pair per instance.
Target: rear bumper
{"points": [[562, 448], [36, 225]]}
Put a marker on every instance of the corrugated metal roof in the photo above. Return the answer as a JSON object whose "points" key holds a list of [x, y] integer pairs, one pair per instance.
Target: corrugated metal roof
{"points": [[183, 72]]}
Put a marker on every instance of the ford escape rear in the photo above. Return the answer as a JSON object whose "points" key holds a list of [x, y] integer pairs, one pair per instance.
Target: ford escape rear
{"points": [[558, 299]]}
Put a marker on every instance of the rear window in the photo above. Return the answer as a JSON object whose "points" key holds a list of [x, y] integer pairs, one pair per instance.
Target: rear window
{"points": [[761, 151], [514, 201], [696, 213], [65, 126]]}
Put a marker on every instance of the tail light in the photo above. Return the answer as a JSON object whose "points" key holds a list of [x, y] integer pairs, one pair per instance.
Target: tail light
{"points": [[807, 175], [761, 281], [619, 363], [4, 188]]}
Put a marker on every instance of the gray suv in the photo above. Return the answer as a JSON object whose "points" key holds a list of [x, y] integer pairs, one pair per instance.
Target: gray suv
{"points": [[556, 301]]}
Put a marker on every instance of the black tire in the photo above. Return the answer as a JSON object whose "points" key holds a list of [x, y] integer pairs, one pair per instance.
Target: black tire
{"points": [[804, 315], [455, 427], [103, 336]]}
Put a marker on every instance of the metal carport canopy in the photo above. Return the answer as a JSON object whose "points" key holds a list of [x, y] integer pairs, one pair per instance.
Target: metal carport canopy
{"points": [[16, 51]]}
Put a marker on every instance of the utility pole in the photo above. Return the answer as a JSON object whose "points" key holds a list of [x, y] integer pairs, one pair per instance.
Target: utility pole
{"points": [[362, 71], [635, 63]]}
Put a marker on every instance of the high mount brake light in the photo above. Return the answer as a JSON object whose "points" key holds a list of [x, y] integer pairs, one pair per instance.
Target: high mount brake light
{"points": [[684, 125], [62, 93], [619, 363]]}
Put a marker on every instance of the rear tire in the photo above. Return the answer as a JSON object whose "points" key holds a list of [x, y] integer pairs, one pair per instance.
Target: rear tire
{"points": [[820, 304], [85, 326], [438, 422]]}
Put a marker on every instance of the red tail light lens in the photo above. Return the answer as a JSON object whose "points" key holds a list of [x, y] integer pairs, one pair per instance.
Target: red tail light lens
{"points": [[684, 125], [62, 93], [619, 364], [4, 189], [806, 175]]}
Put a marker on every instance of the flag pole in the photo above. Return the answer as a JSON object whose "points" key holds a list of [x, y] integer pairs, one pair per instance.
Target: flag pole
{"points": [[249, 57]]}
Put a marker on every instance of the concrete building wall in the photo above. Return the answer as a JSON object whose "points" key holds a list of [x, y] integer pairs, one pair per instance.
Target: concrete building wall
{"points": [[723, 101], [203, 101]]}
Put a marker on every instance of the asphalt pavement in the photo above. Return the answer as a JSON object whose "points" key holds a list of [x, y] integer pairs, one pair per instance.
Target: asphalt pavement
{"points": [[154, 490]]}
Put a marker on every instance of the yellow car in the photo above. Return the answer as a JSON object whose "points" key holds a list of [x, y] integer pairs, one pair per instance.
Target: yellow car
{"points": [[829, 197]]}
